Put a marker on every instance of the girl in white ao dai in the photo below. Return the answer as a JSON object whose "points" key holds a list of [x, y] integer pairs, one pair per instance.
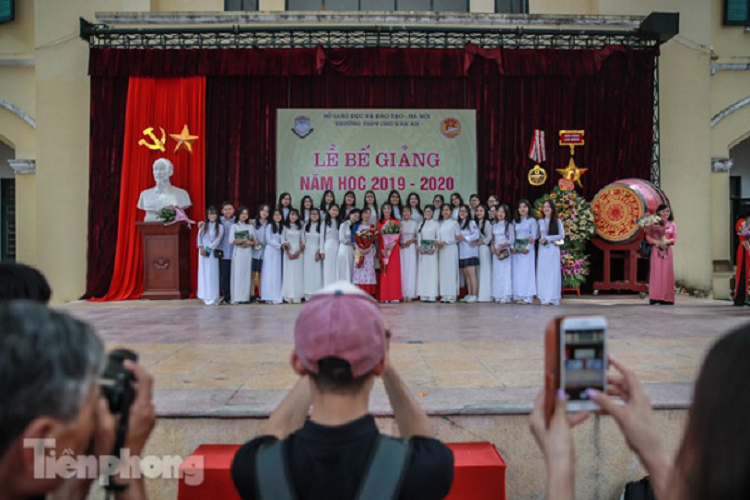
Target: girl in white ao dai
{"points": [[524, 261], [331, 246], [448, 255], [293, 243], [548, 271], [209, 238], [408, 255], [270, 276], [312, 264], [503, 237], [429, 269]]}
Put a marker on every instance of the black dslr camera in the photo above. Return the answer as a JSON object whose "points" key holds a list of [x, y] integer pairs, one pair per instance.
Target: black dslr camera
{"points": [[117, 387]]}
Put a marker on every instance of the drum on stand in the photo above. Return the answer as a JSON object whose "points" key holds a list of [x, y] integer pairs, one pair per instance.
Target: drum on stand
{"points": [[618, 206]]}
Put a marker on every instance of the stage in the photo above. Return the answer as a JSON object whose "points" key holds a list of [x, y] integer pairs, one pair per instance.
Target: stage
{"points": [[233, 361], [475, 368]]}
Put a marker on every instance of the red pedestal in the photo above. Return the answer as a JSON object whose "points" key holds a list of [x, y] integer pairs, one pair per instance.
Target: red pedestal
{"points": [[166, 261], [628, 252], [479, 473]]}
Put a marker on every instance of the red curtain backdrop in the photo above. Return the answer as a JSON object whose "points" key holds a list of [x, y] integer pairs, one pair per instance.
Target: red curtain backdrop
{"points": [[170, 103], [109, 98], [607, 92]]}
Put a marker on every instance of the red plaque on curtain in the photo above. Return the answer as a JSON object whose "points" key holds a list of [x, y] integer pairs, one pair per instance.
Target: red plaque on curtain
{"points": [[571, 138]]}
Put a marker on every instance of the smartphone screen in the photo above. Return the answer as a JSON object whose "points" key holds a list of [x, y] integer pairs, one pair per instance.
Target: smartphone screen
{"points": [[583, 361]]}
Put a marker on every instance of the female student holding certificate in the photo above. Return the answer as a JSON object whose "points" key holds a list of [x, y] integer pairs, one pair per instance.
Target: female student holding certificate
{"points": [[427, 278], [524, 257], [448, 257], [243, 240]]}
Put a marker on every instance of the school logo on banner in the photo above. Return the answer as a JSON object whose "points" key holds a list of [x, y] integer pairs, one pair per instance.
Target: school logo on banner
{"points": [[450, 127], [302, 127]]}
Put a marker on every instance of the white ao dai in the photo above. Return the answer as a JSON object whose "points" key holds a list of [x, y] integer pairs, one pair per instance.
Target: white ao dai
{"points": [[502, 277], [293, 280], [429, 269], [548, 272], [409, 260]]}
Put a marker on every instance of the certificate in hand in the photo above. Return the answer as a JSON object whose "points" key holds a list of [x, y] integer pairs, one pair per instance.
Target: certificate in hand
{"points": [[427, 245], [520, 245], [242, 235]]}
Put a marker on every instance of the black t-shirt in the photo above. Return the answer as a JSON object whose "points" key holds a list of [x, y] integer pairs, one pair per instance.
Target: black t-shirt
{"points": [[328, 463]]}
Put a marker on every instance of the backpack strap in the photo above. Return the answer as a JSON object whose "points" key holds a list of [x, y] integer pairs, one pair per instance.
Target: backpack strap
{"points": [[272, 472], [385, 473]]}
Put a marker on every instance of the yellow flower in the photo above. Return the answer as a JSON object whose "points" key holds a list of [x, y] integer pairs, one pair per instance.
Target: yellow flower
{"points": [[553, 196]]}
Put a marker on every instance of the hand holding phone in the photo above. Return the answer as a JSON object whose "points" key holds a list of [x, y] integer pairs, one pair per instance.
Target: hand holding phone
{"points": [[575, 360], [583, 360]]}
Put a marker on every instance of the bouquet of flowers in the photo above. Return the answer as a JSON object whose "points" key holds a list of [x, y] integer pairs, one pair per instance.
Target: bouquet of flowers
{"points": [[172, 215], [391, 232], [578, 220], [575, 269], [167, 214], [744, 229], [363, 241], [648, 220]]}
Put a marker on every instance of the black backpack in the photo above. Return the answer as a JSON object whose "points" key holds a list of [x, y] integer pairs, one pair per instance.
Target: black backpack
{"points": [[382, 479], [638, 490]]}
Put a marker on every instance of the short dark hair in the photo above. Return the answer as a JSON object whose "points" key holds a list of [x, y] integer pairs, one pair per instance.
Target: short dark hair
{"points": [[335, 376], [19, 281]]}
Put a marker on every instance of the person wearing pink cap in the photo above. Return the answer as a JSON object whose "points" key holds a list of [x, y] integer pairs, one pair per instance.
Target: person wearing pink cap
{"points": [[340, 347]]}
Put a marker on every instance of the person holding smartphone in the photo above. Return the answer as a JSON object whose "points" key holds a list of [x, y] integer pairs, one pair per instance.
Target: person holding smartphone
{"points": [[714, 455]]}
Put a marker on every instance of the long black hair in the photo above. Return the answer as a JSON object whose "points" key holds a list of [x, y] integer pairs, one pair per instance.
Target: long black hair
{"points": [[553, 229], [388, 203], [258, 224], [507, 216], [365, 206], [400, 202], [276, 227], [484, 219], [418, 206], [441, 212], [323, 206], [328, 215], [302, 204], [241, 209], [211, 210], [467, 221], [460, 200], [431, 207], [309, 221], [288, 222], [343, 203], [713, 459], [281, 197], [530, 213]]}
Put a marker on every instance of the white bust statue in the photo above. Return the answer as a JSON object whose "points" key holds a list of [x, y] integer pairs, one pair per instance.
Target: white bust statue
{"points": [[164, 194]]}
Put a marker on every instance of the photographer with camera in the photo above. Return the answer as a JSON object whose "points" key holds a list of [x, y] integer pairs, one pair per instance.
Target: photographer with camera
{"points": [[54, 422], [340, 347]]}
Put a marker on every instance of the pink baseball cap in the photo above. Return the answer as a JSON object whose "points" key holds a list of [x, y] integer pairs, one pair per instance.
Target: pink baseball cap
{"points": [[340, 321]]}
